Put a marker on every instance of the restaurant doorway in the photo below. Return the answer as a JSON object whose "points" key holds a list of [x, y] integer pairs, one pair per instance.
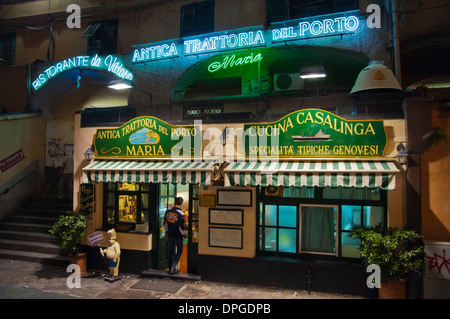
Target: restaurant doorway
{"points": [[167, 194]]}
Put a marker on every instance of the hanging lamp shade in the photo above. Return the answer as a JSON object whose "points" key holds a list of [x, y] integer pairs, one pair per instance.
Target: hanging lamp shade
{"points": [[374, 77]]}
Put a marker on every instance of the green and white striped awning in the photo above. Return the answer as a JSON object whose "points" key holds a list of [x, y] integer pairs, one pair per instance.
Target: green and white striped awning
{"points": [[133, 171], [371, 174]]}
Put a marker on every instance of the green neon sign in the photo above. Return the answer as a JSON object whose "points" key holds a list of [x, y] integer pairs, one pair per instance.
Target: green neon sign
{"points": [[232, 61], [110, 63]]}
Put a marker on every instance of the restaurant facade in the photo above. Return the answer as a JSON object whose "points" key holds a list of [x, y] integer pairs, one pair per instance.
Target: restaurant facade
{"points": [[275, 169]]}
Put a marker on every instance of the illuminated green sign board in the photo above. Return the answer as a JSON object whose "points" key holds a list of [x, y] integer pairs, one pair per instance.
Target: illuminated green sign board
{"points": [[315, 133], [148, 137]]}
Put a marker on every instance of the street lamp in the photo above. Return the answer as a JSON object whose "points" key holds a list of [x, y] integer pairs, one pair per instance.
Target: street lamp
{"points": [[89, 155], [402, 155]]}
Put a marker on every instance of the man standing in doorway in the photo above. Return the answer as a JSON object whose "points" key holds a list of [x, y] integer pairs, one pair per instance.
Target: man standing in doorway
{"points": [[175, 228]]}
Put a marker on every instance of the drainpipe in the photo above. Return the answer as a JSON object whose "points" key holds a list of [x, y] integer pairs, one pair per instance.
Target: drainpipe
{"points": [[395, 31], [308, 280]]}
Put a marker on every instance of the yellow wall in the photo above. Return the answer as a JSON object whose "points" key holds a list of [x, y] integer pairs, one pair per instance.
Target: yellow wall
{"points": [[248, 233], [24, 132], [83, 140], [435, 181]]}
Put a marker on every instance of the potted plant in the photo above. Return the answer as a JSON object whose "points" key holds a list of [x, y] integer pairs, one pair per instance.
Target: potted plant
{"points": [[395, 251], [68, 230]]}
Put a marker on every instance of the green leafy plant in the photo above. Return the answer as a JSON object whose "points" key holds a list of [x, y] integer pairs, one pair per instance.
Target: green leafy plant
{"points": [[395, 251], [68, 230]]}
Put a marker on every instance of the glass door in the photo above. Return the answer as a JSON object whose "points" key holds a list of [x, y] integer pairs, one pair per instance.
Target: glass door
{"points": [[167, 193], [193, 229]]}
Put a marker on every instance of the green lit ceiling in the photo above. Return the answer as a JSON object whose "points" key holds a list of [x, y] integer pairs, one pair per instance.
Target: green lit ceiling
{"points": [[245, 77]]}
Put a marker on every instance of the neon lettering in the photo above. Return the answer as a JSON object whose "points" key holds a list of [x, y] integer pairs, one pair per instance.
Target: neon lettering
{"points": [[232, 61], [110, 63]]}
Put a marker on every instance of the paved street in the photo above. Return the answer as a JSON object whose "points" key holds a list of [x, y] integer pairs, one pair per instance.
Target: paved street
{"points": [[28, 280]]}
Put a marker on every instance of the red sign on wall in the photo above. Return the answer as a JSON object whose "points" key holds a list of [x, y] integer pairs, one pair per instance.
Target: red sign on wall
{"points": [[11, 160]]}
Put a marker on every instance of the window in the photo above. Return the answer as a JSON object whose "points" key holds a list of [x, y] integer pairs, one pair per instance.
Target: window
{"points": [[102, 37], [197, 18], [298, 192], [278, 228], [106, 116], [126, 204], [279, 10], [358, 215], [314, 220], [7, 48], [318, 229]]}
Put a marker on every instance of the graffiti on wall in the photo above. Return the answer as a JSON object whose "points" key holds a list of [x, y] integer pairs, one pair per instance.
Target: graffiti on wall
{"points": [[438, 261]]}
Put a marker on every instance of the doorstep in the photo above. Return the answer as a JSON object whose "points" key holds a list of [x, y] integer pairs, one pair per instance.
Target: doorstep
{"points": [[162, 273]]}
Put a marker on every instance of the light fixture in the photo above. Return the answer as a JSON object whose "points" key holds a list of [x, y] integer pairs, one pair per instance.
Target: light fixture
{"points": [[119, 85], [124, 85], [375, 76], [402, 155], [89, 155], [312, 72]]}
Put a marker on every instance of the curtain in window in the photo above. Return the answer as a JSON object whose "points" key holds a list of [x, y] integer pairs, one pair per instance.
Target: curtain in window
{"points": [[318, 229]]}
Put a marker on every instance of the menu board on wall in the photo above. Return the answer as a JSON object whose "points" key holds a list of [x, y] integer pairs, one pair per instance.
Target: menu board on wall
{"points": [[86, 199], [225, 237], [226, 217]]}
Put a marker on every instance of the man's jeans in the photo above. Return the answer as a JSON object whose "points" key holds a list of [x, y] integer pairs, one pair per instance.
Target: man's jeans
{"points": [[175, 251]]}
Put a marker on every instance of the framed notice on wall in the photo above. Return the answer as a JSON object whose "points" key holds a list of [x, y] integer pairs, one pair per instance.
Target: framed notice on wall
{"points": [[234, 197], [207, 200], [226, 217], [225, 237]]}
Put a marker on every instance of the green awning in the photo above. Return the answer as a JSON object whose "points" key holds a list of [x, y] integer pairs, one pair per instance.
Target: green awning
{"points": [[371, 174], [133, 171]]}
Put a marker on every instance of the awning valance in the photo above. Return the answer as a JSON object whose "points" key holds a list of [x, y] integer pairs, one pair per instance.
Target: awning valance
{"points": [[371, 174], [131, 171]]}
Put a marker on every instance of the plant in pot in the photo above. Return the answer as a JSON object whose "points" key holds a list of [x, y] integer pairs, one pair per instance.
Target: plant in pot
{"points": [[68, 231], [395, 251]]}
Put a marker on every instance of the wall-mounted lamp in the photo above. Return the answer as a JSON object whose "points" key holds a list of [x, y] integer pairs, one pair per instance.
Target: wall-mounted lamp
{"points": [[89, 154], [119, 85], [402, 155], [375, 77], [312, 72], [124, 85]]}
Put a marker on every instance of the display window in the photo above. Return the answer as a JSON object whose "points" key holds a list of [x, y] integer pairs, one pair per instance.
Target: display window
{"points": [[127, 205], [313, 220]]}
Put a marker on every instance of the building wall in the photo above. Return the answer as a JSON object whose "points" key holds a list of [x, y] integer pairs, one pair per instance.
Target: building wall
{"points": [[435, 176], [23, 133]]}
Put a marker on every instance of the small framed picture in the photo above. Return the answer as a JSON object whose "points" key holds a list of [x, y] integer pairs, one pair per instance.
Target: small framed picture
{"points": [[207, 200]]}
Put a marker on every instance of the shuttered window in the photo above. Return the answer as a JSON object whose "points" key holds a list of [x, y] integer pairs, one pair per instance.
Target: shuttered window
{"points": [[280, 10], [7, 48], [197, 18], [102, 39]]}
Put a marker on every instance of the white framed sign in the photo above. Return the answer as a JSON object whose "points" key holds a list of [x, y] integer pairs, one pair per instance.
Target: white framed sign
{"points": [[225, 237], [235, 197], [226, 217]]}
